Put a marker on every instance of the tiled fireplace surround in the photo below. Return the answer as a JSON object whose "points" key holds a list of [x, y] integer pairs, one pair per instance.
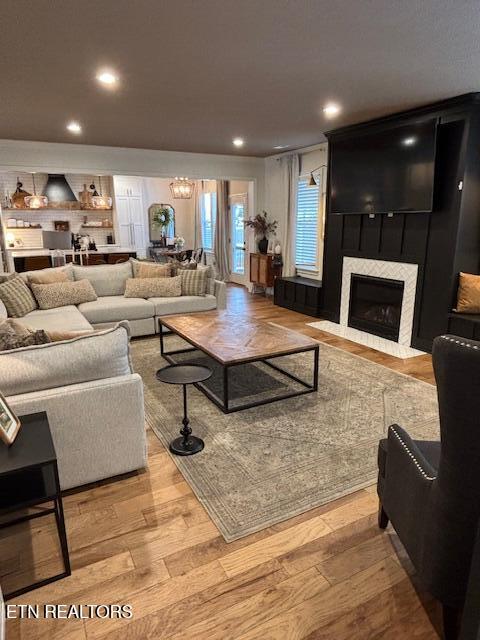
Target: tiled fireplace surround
{"points": [[406, 273]]}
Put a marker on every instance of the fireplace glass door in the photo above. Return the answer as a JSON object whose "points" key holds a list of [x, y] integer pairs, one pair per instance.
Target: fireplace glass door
{"points": [[376, 305]]}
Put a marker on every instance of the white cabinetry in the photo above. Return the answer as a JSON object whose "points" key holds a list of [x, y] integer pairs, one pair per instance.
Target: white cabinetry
{"points": [[131, 213]]}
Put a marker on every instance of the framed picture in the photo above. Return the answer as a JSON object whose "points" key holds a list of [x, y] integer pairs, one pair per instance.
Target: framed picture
{"points": [[61, 225], [271, 245], [9, 423]]}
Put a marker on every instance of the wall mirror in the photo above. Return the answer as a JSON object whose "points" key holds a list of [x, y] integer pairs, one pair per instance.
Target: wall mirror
{"points": [[157, 213]]}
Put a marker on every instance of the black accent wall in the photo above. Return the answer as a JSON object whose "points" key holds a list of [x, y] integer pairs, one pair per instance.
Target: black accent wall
{"points": [[442, 243]]}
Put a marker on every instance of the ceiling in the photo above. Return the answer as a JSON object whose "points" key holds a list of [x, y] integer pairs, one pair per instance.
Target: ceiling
{"points": [[194, 74]]}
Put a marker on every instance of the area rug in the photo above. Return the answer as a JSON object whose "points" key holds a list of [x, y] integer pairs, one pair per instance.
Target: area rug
{"points": [[267, 464]]}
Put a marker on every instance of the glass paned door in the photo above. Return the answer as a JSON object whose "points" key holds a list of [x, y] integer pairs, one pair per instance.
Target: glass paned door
{"points": [[238, 214]]}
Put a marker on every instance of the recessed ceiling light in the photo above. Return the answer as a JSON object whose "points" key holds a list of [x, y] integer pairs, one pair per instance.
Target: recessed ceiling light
{"points": [[331, 110], [408, 142], [74, 127], [281, 146], [238, 142], [107, 78]]}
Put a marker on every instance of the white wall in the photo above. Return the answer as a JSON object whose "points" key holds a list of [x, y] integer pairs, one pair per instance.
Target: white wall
{"points": [[19, 155], [157, 190], [276, 192], [237, 187]]}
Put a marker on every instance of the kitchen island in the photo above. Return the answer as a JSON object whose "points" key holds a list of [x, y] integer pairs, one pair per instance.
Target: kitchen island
{"points": [[32, 259]]}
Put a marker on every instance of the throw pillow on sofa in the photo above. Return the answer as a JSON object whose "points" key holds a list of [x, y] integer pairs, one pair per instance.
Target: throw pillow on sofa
{"points": [[147, 270], [62, 294], [40, 273], [194, 283], [17, 297], [154, 287], [49, 276], [468, 296], [136, 264], [177, 266], [13, 335]]}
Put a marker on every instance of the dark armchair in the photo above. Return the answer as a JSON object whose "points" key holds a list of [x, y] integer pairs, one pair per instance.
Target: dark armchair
{"points": [[430, 491]]}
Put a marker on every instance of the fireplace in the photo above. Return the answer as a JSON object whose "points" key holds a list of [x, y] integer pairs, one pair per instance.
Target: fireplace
{"points": [[376, 305]]}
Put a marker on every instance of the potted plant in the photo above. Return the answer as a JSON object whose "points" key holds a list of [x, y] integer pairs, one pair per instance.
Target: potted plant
{"points": [[263, 228], [179, 242], [162, 217]]}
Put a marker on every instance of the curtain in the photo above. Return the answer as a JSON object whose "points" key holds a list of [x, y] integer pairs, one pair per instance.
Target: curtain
{"points": [[198, 240], [221, 243], [291, 170]]}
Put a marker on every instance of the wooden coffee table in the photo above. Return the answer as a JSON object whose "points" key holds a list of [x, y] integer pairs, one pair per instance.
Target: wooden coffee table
{"points": [[233, 340]]}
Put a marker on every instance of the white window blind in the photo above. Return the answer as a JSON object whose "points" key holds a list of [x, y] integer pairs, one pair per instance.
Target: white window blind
{"points": [[307, 224], [208, 216]]}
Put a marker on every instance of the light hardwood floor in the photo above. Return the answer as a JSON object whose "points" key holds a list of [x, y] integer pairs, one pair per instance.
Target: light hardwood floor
{"points": [[145, 540]]}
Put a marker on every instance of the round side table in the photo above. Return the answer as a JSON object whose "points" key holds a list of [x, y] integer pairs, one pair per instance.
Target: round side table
{"points": [[184, 374]]}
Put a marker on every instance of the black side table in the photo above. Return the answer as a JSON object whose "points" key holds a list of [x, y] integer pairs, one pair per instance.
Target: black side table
{"points": [[185, 374], [29, 478]]}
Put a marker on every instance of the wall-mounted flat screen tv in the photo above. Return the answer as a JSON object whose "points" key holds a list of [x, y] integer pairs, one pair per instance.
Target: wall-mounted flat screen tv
{"points": [[391, 170]]}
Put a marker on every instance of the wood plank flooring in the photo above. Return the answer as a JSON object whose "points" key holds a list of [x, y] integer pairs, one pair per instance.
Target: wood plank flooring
{"points": [[145, 540]]}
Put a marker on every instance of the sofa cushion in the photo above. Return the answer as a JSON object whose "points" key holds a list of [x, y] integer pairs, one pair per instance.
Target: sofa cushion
{"points": [[59, 319], [106, 279], [153, 287], [96, 356], [17, 297], [183, 304], [116, 308], [63, 294]]}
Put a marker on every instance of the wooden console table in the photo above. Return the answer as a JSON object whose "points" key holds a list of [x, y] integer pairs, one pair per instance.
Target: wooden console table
{"points": [[263, 270]]}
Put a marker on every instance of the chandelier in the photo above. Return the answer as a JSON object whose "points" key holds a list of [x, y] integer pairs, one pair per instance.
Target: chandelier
{"points": [[34, 201], [182, 188], [99, 201]]}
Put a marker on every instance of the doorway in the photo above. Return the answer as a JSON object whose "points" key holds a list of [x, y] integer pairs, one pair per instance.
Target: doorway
{"points": [[238, 215]]}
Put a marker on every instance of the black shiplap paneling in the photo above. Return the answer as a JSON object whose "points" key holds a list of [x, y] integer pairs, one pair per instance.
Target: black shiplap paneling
{"points": [[370, 235], [351, 233], [439, 254], [441, 243], [391, 240]]}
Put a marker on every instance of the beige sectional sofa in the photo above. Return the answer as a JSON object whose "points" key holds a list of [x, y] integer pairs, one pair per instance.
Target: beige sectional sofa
{"points": [[93, 399], [112, 307]]}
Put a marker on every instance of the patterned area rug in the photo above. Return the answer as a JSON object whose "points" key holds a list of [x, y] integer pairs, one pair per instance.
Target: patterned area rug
{"points": [[267, 464]]}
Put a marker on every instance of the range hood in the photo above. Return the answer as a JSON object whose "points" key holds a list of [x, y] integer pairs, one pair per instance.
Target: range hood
{"points": [[57, 189]]}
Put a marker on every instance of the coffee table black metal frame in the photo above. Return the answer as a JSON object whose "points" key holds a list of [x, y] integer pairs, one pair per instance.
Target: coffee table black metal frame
{"points": [[224, 402], [29, 478]]}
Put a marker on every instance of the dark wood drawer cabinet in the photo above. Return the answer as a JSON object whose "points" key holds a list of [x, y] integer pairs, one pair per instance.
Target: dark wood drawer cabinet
{"points": [[263, 271], [299, 294]]}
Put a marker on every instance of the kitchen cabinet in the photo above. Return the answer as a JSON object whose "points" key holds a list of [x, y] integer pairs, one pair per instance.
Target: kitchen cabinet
{"points": [[131, 214], [128, 186]]}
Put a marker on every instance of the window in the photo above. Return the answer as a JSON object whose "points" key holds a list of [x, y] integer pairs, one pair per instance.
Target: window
{"points": [[208, 212], [306, 240]]}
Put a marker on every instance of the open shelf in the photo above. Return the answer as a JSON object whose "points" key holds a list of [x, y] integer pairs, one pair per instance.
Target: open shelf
{"points": [[100, 226], [55, 209]]}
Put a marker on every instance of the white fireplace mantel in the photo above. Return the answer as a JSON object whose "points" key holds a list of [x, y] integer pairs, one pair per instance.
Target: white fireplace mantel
{"points": [[403, 271]]}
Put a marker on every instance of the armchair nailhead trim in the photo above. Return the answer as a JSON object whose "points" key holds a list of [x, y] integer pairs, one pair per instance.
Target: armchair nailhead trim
{"points": [[415, 461], [462, 344]]}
